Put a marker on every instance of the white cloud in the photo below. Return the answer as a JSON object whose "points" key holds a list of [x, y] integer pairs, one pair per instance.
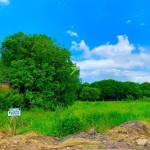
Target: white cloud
{"points": [[72, 33], [113, 61], [121, 48], [144, 49], [4, 2], [81, 47], [128, 21]]}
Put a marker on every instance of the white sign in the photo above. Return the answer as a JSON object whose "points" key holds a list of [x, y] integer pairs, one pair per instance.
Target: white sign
{"points": [[14, 112]]}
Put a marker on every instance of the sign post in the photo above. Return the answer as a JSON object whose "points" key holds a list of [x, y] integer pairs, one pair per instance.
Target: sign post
{"points": [[14, 112], [14, 126]]}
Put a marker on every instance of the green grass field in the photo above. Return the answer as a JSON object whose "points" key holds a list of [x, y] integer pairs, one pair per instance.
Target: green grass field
{"points": [[79, 117]]}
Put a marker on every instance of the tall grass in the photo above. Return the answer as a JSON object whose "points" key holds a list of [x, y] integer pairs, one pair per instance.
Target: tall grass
{"points": [[79, 117]]}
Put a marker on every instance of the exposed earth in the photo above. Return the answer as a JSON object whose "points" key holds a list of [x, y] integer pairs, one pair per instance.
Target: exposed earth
{"points": [[132, 135]]}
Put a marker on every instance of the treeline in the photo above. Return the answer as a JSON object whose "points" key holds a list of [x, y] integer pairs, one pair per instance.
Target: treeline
{"points": [[112, 90]]}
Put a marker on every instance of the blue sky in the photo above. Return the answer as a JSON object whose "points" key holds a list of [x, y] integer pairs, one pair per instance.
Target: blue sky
{"points": [[108, 39]]}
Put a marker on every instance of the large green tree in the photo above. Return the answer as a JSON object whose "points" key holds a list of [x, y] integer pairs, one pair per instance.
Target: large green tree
{"points": [[41, 70]]}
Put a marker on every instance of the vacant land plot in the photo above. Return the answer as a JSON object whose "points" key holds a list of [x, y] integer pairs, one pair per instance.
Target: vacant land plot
{"points": [[82, 116]]}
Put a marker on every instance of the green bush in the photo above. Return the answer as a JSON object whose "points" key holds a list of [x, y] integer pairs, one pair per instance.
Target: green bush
{"points": [[145, 99], [70, 124], [10, 98]]}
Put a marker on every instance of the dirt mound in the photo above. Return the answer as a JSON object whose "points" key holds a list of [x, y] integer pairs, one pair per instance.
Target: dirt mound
{"points": [[33, 141], [131, 135]]}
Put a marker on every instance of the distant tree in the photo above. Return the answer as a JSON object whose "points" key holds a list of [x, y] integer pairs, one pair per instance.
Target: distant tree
{"points": [[90, 94], [110, 89], [41, 70], [132, 89], [86, 84], [145, 87]]}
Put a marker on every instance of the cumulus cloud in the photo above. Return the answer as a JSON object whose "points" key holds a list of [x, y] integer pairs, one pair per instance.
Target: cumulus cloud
{"points": [[113, 61], [72, 33], [4, 2]]}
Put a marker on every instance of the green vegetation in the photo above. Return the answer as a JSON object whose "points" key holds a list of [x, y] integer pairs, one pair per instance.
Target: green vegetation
{"points": [[43, 79], [90, 93], [116, 90], [40, 69], [9, 98], [81, 116]]}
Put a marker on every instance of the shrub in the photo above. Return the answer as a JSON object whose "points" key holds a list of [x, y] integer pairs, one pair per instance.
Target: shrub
{"points": [[129, 98], [145, 99], [9, 98], [70, 124]]}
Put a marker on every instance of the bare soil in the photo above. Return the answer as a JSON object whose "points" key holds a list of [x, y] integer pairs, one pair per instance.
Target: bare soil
{"points": [[132, 135]]}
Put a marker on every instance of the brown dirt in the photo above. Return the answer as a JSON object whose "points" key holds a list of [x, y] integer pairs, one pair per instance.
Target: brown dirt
{"points": [[132, 135]]}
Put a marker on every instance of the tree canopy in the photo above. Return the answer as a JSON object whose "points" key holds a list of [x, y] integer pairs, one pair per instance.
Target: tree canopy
{"points": [[40, 69], [117, 90]]}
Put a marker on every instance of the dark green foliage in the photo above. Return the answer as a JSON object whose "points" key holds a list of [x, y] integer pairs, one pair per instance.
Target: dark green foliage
{"points": [[129, 98], [145, 87], [115, 90], [110, 89], [2, 71], [40, 69], [90, 94], [79, 89], [132, 89]]}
